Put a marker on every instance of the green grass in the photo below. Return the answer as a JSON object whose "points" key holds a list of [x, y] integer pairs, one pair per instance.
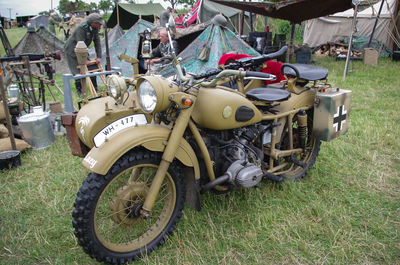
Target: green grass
{"points": [[14, 35], [346, 211]]}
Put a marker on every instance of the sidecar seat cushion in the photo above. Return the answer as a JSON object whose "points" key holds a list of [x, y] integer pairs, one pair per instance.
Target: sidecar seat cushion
{"points": [[305, 71], [268, 94]]}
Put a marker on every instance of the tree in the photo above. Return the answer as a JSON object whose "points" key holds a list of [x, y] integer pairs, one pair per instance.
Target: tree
{"points": [[91, 6], [186, 3], [189, 3], [105, 5], [172, 3], [66, 6]]}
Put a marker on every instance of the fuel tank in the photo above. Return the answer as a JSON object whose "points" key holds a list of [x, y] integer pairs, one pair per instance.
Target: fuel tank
{"points": [[223, 109], [94, 118]]}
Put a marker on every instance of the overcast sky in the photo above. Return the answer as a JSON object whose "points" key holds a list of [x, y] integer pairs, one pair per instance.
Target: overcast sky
{"points": [[29, 7], [33, 7]]}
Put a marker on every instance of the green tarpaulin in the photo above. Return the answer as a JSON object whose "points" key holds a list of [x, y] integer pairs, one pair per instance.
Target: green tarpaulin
{"points": [[128, 44], [220, 40], [113, 36], [35, 42], [129, 14]]}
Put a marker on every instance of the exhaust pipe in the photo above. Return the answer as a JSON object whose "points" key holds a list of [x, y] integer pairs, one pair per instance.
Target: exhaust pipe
{"points": [[214, 183]]}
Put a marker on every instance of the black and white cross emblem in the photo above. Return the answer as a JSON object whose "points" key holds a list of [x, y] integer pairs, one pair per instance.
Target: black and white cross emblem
{"points": [[339, 118]]}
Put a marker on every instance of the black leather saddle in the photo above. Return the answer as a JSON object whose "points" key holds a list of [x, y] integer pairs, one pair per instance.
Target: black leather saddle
{"points": [[305, 71], [268, 94]]}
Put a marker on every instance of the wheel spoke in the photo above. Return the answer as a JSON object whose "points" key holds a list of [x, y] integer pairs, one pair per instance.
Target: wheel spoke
{"points": [[112, 214], [118, 227], [162, 199]]}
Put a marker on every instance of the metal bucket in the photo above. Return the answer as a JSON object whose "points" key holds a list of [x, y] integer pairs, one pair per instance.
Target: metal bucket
{"points": [[13, 91], [36, 129], [10, 159]]}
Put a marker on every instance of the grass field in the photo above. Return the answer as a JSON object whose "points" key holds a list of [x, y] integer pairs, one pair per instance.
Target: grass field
{"points": [[346, 211]]}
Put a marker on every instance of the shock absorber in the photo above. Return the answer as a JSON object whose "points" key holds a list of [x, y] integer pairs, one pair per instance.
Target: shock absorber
{"points": [[302, 127]]}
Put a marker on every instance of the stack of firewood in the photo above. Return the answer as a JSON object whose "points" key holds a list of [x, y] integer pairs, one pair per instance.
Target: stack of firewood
{"points": [[335, 50]]}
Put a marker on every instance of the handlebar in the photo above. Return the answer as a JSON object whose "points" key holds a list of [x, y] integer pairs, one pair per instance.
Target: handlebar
{"points": [[245, 63], [222, 74], [255, 61], [247, 74], [208, 73], [260, 75]]}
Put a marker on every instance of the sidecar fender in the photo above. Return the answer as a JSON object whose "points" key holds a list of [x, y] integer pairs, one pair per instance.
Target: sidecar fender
{"points": [[152, 137]]}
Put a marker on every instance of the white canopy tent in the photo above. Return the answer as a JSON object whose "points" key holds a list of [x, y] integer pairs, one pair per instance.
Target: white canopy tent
{"points": [[339, 25]]}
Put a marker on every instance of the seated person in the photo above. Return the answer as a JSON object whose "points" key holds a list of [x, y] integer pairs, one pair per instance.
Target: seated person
{"points": [[162, 54]]}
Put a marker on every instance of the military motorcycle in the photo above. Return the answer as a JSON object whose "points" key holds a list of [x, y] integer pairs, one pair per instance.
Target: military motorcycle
{"points": [[183, 136]]}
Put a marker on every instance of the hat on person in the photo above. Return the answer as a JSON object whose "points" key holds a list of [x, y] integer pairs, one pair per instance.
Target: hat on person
{"points": [[95, 17]]}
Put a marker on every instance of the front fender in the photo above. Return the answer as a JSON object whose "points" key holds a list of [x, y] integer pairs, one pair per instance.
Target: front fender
{"points": [[152, 137]]}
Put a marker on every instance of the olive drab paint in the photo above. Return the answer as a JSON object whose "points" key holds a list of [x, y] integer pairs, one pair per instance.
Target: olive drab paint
{"points": [[216, 108], [97, 114], [201, 136]]}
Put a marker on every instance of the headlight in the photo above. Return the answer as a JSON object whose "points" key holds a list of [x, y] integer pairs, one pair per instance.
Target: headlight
{"points": [[147, 96], [153, 93], [116, 86], [114, 91]]}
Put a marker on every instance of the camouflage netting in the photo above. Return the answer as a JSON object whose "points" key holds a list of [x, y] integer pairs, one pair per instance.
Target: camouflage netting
{"points": [[113, 35], [361, 42], [220, 40], [46, 34], [180, 32], [128, 44], [33, 42]]}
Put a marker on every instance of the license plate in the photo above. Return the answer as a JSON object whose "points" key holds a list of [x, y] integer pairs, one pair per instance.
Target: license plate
{"points": [[117, 126]]}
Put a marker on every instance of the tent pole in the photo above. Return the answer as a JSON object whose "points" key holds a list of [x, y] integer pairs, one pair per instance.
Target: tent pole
{"points": [[116, 4], [354, 27], [376, 22], [291, 48], [251, 22], [265, 22], [241, 23], [108, 61], [7, 112]]}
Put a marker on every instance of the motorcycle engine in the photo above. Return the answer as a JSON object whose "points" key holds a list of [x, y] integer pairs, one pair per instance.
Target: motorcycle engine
{"points": [[242, 173], [236, 156]]}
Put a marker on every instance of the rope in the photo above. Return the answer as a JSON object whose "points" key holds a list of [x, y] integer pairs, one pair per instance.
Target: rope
{"points": [[393, 19], [233, 25], [388, 30], [247, 23], [209, 34], [223, 39]]}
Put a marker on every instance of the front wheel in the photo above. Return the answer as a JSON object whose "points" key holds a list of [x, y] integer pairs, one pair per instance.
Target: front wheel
{"points": [[107, 218]]}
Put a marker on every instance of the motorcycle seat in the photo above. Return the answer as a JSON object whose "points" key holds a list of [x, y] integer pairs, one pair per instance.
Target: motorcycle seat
{"points": [[305, 71], [268, 94]]}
